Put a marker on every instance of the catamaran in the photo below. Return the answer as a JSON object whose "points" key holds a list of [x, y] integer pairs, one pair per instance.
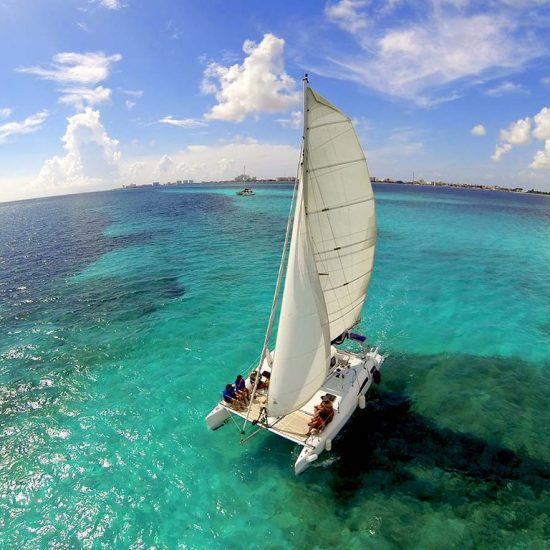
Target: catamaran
{"points": [[327, 269]]}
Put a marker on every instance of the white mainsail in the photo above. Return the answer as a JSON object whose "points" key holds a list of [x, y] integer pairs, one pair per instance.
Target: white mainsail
{"points": [[340, 211], [330, 257]]}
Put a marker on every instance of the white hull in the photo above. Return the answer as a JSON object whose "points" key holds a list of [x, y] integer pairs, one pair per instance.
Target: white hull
{"points": [[348, 381]]}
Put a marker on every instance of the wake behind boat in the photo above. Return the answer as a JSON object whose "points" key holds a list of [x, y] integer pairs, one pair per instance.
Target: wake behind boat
{"points": [[307, 388]]}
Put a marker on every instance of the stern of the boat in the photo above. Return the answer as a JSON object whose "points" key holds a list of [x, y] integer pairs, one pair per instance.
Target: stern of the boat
{"points": [[217, 417]]}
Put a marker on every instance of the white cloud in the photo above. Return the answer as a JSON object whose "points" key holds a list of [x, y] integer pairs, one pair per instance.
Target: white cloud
{"points": [[501, 150], [518, 133], [347, 14], [295, 120], [92, 158], [111, 4], [215, 163], [545, 81], [5, 112], [478, 130], [77, 74], [445, 46], [542, 124], [80, 97], [71, 68], [541, 160], [184, 122], [506, 88], [259, 85], [134, 93], [27, 126]]}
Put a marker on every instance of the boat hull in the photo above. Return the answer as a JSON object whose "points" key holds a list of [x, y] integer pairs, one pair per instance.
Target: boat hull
{"points": [[346, 407], [348, 383]]}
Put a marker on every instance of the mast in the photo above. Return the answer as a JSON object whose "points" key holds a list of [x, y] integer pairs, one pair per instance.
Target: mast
{"points": [[289, 229]]}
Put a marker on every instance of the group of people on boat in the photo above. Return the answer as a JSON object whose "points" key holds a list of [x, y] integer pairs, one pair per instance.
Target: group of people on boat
{"points": [[238, 395]]}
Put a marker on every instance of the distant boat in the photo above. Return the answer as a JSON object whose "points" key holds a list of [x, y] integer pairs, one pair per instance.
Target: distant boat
{"points": [[246, 191], [307, 388]]}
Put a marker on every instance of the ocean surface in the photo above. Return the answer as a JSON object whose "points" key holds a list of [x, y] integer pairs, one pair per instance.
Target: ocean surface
{"points": [[123, 314]]}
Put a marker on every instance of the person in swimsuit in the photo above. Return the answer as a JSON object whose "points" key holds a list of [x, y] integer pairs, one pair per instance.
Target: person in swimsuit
{"points": [[324, 413]]}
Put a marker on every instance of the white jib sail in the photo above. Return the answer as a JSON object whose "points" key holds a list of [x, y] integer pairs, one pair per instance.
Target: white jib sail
{"points": [[302, 349], [339, 204]]}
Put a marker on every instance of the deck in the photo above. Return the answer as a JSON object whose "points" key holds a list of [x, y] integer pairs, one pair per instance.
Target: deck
{"points": [[293, 426]]}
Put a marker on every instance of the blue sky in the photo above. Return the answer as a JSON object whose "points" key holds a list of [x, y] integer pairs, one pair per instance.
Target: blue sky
{"points": [[99, 93]]}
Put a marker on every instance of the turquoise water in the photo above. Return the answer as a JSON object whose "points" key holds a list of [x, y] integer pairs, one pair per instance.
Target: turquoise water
{"points": [[123, 314]]}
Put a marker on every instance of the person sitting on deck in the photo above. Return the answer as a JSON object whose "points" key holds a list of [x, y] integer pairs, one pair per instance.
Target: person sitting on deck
{"points": [[230, 396], [324, 413], [241, 389], [261, 384]]}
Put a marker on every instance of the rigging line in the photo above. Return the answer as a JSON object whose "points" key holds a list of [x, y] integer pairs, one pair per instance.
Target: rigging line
{"points": [[338, 206], [276, 294]]}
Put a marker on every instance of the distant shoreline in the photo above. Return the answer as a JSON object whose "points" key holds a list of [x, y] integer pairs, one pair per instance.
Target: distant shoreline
{"points": [[518, 190]]}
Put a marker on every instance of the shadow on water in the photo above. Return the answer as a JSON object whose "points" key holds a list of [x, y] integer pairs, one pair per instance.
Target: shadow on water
{"points": [[388, 442], [401, 443], [410, 438]]}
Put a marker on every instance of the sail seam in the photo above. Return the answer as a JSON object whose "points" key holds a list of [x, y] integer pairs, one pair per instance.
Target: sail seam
{"points": [[356, 302], [338, 248], [328, 124], [348, 282], [343, 163]]}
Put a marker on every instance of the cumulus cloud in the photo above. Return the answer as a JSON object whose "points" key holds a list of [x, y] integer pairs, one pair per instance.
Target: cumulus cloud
{"points": [[258, 85], [347, 14], [27, 126], [542, 124], [184, 122], [92, 158], [501, 150], [541, 161], [5, 112], [518, 132], [478, 130], [447, 46], [77, 74]]}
